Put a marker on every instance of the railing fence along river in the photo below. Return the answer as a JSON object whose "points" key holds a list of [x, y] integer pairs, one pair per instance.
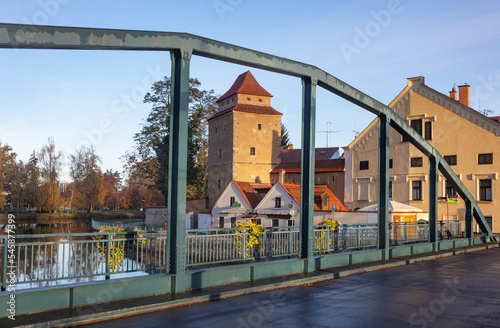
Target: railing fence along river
{"points": [[52, 259]]}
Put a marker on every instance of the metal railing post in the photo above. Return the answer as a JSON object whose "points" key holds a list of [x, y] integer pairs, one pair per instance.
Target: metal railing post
{"points": [[108, 255]]}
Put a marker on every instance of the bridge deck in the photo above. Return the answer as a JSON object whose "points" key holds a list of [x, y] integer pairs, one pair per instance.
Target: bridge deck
{"points": [[458, 291]]}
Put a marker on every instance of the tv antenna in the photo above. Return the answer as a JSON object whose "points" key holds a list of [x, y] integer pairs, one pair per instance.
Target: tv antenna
{"points": [[327, 131]]}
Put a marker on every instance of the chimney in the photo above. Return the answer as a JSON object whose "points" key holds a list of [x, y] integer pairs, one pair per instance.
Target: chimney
{"points": [[463, 94], [290, 146], [453, 93], [281, 175]]}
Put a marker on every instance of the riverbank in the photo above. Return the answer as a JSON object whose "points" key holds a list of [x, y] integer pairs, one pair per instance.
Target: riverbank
{"points": [[67, 217]]}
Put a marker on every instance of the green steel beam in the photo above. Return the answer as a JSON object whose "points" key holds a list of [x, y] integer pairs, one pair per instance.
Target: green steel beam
{"points": [[53, 37], [177, 163], [307, 169], [468, 222], [383, 183], [433, 203]]}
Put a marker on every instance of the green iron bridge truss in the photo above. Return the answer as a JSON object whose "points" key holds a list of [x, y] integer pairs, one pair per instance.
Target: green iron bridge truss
{"points": [[182, 47]]}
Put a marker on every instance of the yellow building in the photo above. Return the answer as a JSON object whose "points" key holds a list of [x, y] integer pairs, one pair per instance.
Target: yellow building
{"points": [[467, 139], [244, 137]]}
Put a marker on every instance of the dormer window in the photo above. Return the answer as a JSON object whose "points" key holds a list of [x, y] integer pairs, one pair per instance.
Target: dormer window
{"points": [[248, 99], [260, 100]]}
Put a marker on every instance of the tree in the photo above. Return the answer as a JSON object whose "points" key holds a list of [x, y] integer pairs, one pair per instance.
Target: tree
{"points": [[285, 137], [147, 165], [50, 162], [32, 183], [111, 187], [7, 160], [87, 177]]}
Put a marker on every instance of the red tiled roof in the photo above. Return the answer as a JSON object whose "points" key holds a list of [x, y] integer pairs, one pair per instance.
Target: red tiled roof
{"points": [[247, 108], [247, 84], [294, 191], [248, 190], [331, 165]]}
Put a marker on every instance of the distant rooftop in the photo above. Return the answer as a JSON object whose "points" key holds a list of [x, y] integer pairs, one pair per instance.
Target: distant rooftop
{"points": [[245, 84]]}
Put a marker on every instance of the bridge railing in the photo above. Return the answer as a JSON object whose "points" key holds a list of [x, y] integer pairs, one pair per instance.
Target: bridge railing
{"points": [[77, 257], [408, 232], [449, 229]]}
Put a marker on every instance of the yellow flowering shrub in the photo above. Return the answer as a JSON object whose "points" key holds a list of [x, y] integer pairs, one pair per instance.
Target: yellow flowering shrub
{"points": [[320, 239], [254, 231]]}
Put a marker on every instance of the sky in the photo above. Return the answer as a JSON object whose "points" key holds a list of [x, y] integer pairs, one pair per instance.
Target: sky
{"points": [[95, 97]]}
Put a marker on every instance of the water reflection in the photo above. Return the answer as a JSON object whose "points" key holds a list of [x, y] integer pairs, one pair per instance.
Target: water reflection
{"points": [[75, 259]]}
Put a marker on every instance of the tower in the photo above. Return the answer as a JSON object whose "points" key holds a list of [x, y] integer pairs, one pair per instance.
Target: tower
{"points": [[244, 136]]}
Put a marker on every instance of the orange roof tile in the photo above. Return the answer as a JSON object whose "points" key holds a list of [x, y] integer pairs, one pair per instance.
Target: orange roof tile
{"points": [[294, 191], [248, 190], [246, 84], [247, 108]]}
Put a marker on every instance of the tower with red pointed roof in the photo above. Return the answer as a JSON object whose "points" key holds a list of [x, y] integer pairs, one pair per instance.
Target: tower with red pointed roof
{"points": [[244, 136]]}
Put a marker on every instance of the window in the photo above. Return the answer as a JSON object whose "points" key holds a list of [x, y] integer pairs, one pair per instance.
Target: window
{"points": [[276, 223], [257, 221], [363, 190], [259, 126], [390, 163], [260, 100], [416, 161], [221, 222], [231, 201], [277, 202], [428, 130], [363, 165], [416, 190], [224, 127], [333, 178], [485, 158], [417, 125], [233, 222], [291, 223], [485, 190], [215, 130], [218, 182], [390, 189], [248, 99], [252, 151], [450, 191], [220, 153], [325, 202], [451, 159]]}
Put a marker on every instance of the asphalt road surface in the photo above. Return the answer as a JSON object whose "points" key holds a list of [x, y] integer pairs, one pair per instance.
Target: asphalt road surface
{"points": [[458, 291]]}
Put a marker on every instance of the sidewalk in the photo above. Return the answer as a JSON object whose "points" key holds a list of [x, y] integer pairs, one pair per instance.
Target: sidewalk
{"points": [[119, 309]]}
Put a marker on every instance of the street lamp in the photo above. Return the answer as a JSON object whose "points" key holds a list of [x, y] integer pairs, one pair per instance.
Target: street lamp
{"points": [[143, 212]]}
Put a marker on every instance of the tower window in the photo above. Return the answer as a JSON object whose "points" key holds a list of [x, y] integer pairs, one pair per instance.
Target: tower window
{"points": [[259, 126], [220, 153], [252, 151], [216, 130], [224, 127], [218, 182], [248, 99], [260, 100]]}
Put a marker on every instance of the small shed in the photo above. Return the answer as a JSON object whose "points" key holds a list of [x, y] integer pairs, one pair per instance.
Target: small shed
{"points": [[398, 212]]}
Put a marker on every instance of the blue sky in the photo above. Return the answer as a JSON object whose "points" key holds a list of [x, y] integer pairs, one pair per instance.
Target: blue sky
{"points": [[83, 97]]}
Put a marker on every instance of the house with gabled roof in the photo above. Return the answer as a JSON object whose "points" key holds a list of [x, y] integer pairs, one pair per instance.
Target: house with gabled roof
{"points": [[468, 140], [244, 136], [271, 205], [237, 202]]}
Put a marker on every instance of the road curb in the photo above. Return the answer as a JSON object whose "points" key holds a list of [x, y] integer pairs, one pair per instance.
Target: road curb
{"points": [[328, 275]]}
